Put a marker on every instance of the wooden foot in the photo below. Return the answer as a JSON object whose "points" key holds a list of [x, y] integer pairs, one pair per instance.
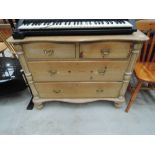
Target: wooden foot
{"points": [[38, 103], [39, 106], [118, 104]]}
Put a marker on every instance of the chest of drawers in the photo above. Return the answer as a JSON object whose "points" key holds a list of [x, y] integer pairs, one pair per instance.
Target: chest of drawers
{"points": [[79, 69]]}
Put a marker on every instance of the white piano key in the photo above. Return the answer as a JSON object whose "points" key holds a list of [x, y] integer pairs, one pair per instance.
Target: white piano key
{"points": [[73, 24]]}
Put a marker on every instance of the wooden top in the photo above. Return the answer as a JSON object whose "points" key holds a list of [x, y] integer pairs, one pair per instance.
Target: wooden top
{"points": [[146, 25], [136, 36], [145, 71]]}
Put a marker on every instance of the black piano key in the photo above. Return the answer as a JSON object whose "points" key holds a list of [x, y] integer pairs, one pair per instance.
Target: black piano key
{"points": [[116, 22], [123, 22], [120, 21]]}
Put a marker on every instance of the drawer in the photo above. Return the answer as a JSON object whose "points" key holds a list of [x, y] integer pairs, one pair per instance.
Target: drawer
{"points": [[78, 90], [49, 50], [105, 50], [77, 70]]}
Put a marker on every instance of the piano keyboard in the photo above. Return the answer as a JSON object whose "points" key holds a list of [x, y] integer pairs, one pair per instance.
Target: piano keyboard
{"points": [[75, 24], [53, 27]]}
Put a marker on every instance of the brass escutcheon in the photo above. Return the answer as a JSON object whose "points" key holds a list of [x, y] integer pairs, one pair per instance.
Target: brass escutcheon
{"points": [[57, 91], [48, 52], [105, 52], [102, 71], [52, 72], [99, 90]]}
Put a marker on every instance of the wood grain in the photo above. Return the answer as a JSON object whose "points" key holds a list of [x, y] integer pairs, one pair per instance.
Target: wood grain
{"points": [[136, 36], [105, 49], [49, 50], [78, 70], [145, 68], [78, 89], [73, 76], [145, 71]]}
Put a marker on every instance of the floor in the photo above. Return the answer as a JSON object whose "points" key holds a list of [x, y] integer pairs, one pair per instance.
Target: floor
{"points": [[65, 118]]}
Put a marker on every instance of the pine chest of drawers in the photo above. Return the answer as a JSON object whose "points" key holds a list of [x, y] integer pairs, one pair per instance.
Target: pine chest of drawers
{"points": [[79, 69]]}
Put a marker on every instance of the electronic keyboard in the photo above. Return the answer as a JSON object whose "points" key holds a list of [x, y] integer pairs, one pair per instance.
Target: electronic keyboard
{"points": [[54, 27]]}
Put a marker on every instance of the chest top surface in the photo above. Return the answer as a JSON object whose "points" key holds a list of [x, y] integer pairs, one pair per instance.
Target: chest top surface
{"points": [[136, 36]]}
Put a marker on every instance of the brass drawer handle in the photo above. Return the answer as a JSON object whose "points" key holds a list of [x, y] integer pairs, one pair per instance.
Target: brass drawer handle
{"points": [[99, 90], [48, 52], [52, 72], [105, 52], [57, 91], [102, 71]]}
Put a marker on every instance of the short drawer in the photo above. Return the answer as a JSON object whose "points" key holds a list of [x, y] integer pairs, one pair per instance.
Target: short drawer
{"points": [[105, 50], [78, 90], [49, 50], [77, 70]]}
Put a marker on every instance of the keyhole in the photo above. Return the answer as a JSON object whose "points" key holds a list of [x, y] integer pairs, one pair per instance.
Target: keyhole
{"points": [[91, 71], [69, 71]]}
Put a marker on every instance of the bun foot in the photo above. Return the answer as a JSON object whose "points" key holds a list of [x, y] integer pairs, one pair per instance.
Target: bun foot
{"points": [[118, 105], [39, 106]]}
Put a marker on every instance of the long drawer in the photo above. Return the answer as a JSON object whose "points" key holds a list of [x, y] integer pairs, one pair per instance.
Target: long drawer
{"points": [[49, 50], [77, 70], [78, 90], [105, 50]]}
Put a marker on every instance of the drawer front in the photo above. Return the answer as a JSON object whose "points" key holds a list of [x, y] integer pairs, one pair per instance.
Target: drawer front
{"points": [[78, 90], [105, 50], [49, 50], [77, 70]]}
